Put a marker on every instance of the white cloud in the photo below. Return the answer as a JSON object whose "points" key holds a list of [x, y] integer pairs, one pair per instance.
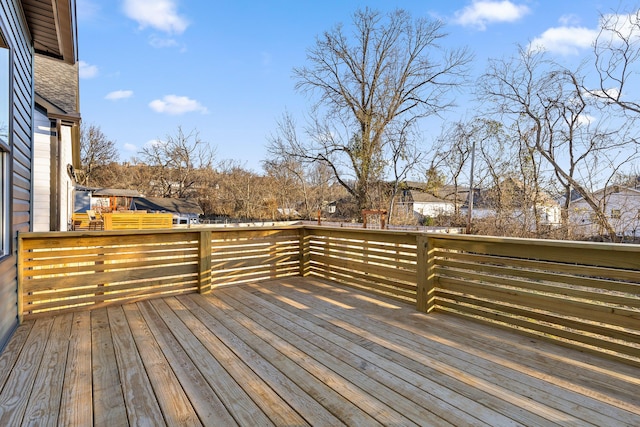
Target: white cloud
{"points": [[130, 147], [483, 12], [619, 28], [119, 94], [564, 40], [176, 105], [159, 14], [569, 20], [609, 93], [154, 143], [586, 119], [87, 71], [161, 42]]}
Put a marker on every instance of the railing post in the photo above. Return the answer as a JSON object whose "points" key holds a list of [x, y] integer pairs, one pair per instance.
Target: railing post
{"points": [[204, 261], [305, 257], [425, 297], [20, 266]]}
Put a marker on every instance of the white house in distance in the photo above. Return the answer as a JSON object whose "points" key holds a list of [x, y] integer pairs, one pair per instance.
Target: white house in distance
{"points": [[621, 205], [415, 201], [427, 205]]}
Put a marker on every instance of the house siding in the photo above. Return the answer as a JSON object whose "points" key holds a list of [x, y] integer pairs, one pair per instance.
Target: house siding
{"points": [[42, 172], [626, 201], [15, 34], [66, 184]]}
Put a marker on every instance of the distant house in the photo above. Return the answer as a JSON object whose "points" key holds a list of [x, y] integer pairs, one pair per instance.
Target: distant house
{"points": [[185, 211], [621, 206], [415, 199], [510, 199], [425, 204], [103, 199], [31, 30]]}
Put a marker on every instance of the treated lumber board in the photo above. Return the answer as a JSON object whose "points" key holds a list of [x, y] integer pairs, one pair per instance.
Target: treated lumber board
{"points": [[115, 276], [44, 403], [359, 278], [401, 255], [533, 281], [617, 256], [17, 389], [612, 279], [314, 379], [512, 365], [355, 234], [250, 250], [581, 342], [388, 271], [76, 406], [239, 234], [370, 287], [81, 255], [99, 292], [105, 264], [109, 408], [472, 385], [259, 354], [593, 311], [284, 323], [53, 241], [241, 276], [173, 401], [608, 381], [258, 245], [262, 260], [12, 351], [210, 409], [391, 407], [99, 299], [203, 348], [274, 406], [546, 322], [142, 406], [50, 287]]}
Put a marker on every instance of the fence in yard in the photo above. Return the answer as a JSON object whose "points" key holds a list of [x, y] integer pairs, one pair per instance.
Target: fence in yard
{"points": [[584, 295]]}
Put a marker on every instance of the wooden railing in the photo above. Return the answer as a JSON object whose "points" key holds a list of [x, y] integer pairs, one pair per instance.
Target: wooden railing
{"points": [[384, 263], [68, 271], [584, 295]]}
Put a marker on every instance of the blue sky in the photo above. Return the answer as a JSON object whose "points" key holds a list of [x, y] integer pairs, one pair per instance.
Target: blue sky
{"points": [[224, 67]]}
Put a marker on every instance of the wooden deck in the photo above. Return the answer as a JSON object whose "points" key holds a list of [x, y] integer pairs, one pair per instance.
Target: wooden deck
{"points": [[299, 351]]}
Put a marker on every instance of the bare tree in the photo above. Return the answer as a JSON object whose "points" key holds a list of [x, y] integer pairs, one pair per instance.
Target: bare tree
{"points": [[549, 101], [96, 152], [177, 163], [615, 51], [390, 74], [290, 185]]}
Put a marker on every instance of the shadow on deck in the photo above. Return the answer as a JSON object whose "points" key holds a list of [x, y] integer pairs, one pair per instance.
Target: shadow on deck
{"points": [[299, 351]]}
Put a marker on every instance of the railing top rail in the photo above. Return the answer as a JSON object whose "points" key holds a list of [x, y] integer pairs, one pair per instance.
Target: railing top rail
{"points": [[620, 247], [538, 242], [193, 229]]}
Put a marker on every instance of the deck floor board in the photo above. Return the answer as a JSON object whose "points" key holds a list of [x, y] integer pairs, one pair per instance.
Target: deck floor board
{"points": [[299, 351], [447, 354]]}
